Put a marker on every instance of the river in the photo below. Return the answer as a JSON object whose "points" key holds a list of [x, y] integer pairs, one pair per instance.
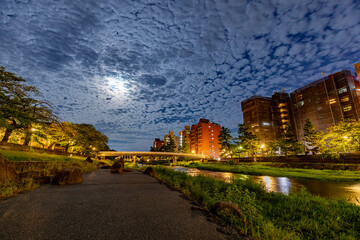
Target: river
{"points": [[331, 189]]}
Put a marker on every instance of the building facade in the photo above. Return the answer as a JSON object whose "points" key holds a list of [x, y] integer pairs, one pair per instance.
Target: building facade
{"points": [[267, 117], [325, 102], [204, 138], [158, 143], [175, 139], [185, 139]]}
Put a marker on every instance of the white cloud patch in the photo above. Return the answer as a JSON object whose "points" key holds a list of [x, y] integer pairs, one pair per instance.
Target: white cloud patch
{"points": [[139, 69]]}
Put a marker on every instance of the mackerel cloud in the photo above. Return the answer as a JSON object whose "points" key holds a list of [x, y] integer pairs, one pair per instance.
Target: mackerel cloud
{"points": [[137, 69]]}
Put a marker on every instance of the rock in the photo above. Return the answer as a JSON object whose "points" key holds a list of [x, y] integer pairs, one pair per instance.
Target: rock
{"points": [[150, 171], [118, 166], [89, 160], [68, 176], [222, 205], [7, 170]]}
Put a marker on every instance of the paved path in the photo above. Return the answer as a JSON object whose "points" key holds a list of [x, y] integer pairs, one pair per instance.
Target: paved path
{"points": [[104, 206]]}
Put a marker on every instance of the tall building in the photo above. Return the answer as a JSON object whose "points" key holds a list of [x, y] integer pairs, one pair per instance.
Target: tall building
{"points": [[175, 138], [326, 102], [267, 117], [204, 138], [158, 143], [184, 138]]}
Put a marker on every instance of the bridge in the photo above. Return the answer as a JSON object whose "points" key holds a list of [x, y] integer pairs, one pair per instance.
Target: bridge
{"points": [[173, 155]]}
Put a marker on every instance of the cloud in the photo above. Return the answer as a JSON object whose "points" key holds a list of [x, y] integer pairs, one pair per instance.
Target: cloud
{"points": [[139, 69]]}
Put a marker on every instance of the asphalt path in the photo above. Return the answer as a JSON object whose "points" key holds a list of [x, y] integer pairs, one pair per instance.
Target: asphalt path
{"points": [[105, 206]]}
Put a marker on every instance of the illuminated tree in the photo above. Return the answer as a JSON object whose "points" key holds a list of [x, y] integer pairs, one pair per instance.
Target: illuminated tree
{"points": [[18, 108], [225, 139], [248, 140], [289, 144], [311, 136]]}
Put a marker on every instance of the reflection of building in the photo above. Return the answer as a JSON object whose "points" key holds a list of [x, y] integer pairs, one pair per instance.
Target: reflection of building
{"points": [[175, 139], [326, 101], [184, 138], [158, 143], [267, 117], [204, 138]]}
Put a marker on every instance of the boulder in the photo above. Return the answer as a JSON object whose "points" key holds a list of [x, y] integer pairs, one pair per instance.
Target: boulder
{"points": [[7, 170], [89, 160], [230, 206], [68, 176], [151, 172], [118, 166]]}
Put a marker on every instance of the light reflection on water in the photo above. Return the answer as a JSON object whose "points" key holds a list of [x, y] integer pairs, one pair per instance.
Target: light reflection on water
{"points": [[336, 190]]}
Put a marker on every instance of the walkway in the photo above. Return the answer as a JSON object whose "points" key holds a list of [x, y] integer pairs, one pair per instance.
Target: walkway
{"points": [[104, 206]]}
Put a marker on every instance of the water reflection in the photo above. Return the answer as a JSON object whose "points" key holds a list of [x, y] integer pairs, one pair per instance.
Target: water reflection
{"points": [[336, 190]]}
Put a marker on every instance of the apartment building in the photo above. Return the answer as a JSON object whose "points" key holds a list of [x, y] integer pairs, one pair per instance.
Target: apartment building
{"points": [[204, 138]]}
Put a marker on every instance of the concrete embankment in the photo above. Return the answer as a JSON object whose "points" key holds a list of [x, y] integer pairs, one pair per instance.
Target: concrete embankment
{"points": [[105, 206]]}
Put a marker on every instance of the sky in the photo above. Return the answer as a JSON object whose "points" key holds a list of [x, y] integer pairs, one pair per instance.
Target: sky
{"points": [[138, 69]]}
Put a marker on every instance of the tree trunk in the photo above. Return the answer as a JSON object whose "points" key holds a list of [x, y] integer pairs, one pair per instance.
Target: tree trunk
{"points": [[7, 135], [27, 138]]}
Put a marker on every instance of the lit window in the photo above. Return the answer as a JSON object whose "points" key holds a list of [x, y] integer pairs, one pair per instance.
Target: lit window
{"points": [[345, 99], [301, 103], [266, 124], [347, 108], [300, 96], [256, 130], [342, 90], [332, 101]]}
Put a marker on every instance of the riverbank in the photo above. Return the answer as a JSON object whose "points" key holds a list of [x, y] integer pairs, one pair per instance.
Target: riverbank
{"points": [[270, 215], [36, 168], [261, 169]]}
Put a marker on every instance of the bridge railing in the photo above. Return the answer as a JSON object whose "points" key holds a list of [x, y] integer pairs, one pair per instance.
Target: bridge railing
{"points": [[160, 154]]}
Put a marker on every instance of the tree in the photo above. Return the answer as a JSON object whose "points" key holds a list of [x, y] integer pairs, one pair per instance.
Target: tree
{"points": [[185, 146], [247, 140], [311, 136], [225, 141], [18, 108], [342, 137], [168, 146], [288, 144]]}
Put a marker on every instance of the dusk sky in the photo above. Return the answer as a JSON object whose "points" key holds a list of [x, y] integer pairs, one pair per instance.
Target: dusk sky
{"points": [[138, 69]]}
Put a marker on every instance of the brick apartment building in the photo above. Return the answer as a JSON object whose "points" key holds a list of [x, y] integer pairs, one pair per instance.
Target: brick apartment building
{"points": [[325, 102], [204, 138], [267, 117], [158, 143]]}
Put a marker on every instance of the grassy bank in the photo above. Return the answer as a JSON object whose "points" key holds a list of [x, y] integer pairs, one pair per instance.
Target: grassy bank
{"points": [[271, 215], [260, 169], [31, 167]]}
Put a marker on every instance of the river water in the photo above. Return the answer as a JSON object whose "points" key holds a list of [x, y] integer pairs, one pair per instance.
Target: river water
{"points": [[331, 189]]}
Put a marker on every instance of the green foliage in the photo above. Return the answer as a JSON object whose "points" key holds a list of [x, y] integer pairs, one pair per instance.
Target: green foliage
{"points": [[288, 143], [225, 139], [18, 107], [169, 147], [271, 215], [11, 188], [311, 136], [344, 137], [247, 140]]}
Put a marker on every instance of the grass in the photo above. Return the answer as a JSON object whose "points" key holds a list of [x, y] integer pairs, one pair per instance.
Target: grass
{"points": [[11, 188], [271, 215], [260, 169], [31, 166]]}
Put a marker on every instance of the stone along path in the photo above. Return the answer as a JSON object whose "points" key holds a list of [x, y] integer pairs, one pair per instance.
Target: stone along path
{"points": [[105, 206]]}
